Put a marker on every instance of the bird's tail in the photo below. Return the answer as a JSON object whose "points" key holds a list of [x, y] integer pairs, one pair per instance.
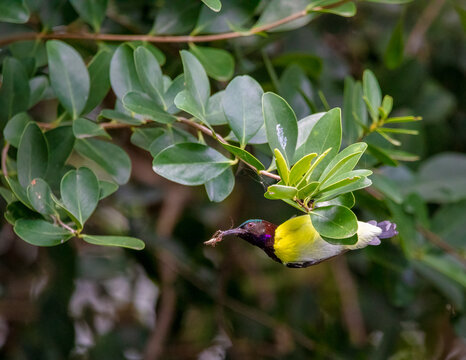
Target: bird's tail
{"points": [[388, 230]]}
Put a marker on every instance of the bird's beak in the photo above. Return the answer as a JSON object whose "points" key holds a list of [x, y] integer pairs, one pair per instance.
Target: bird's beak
{"points": [[237, 231]]}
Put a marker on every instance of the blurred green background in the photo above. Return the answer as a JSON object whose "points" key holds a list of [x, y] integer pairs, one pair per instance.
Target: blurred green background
{"points": [[180, 300]]}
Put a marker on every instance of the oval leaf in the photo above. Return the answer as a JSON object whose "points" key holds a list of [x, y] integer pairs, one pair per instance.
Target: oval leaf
{"points": [[41, 233], [281, 125], [221, 186], [278, 192], [110, 157], [40, 197], [110, 240], [143, 105], [32, 155], [80, 193], [123, 74], [334, 221], [150, 75], [69, 76], [218, 63], [190, 163], [242, 106]]}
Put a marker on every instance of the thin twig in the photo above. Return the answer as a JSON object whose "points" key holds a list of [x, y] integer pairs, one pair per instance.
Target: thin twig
{"points": [[164, 38], [425, 20], [63, 225], [351, 311], [173, 206], [4, 157], [442, 244]]}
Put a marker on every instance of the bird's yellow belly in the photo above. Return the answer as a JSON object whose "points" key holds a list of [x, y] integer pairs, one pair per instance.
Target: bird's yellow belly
{"points": [[297, 241]]}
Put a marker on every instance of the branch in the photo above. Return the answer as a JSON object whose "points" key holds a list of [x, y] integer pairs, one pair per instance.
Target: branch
{"points": [[426, 19], [165, 38], [442, 244], [200, 127]]}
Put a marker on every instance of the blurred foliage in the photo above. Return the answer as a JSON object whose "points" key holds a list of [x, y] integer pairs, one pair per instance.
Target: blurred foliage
{"points": [[176, 299]]}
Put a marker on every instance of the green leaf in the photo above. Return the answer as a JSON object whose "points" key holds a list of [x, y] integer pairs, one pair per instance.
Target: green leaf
{"points": [[279, 9], [123, 74], [61, 143], [7, 195], [296, 89], [69, 76], [143, 105], [83, 128], [351, 240], [107, 188], [334, 221], [282, 166], [176, 17], [170, 137], [381, 155], [16, 211], [308, 190], [386, 108], [14, 93], [398, 131], [372, 93], [15, 128], [19, 192], [335, 181], [214, 5], [99, 75], [221, 186], [310, 64], [110, 157], [352, 103], [402, 119], [41, 233], [232, 15], [329, 195], [194, 98], [281, 125], [91, 11], [111, 240], [218, 63], [40, 197], [145, 136], [300, 168], [244, 155], [14, 11], [277, 192], [441, 178], [326, 134], [343, 162], [393, 56], [174, 89], [80, 193], [119, 117], [150, 75], [346, 200], [347, 10], [215, 114], [32, 155], [190, 163], [38, 88], [339, 183], [242, 106]]}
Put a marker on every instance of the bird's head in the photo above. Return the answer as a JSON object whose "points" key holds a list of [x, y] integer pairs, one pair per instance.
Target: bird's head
{"points": [[257, 232]]}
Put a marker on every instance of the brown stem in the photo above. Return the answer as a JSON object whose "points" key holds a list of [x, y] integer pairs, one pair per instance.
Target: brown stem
{"points": [[63, 225], [426, 19], [350, 308], [164, 38], [172, 209], [442, 244], [4, 157]]}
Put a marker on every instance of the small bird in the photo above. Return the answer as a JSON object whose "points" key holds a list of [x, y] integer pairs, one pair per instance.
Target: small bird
{"points": [[297, 244]]}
